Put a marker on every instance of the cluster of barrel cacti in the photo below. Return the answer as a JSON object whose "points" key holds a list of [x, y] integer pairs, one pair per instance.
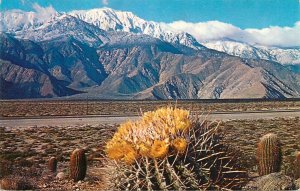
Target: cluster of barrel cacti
{"points": [[165, 150], [78, 165]]}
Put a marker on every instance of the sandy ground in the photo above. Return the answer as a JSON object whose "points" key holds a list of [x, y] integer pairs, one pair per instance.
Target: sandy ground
{"points": [[27, 143]]}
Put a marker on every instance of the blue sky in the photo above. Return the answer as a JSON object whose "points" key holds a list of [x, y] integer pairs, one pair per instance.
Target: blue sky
{"points": [[241, 13]]}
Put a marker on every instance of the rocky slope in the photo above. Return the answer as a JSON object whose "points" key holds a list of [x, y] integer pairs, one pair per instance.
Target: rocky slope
{"points": [[157, 72], [69, 56], [60, 66], [108, 19], [141, 67], [23, 23], [21, 82]]}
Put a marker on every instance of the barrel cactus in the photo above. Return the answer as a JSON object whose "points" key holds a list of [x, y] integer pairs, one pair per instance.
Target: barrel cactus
{"points": [[78, 165], [166, 150], [269, 154], [52, 164], [297, 166]]}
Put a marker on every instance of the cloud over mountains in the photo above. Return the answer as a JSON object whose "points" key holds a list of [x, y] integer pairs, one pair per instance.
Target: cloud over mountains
{"points": [[216, 30], [105, 2], [104, 53], [44, 13]]}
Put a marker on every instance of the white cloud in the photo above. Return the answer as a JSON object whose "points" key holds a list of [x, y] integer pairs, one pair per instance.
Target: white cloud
{"points": [[278, 36], [105, 2], [216, 30], [44, 13]]}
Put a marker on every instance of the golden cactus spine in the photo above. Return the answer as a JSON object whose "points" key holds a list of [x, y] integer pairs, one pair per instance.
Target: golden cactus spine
{"points": [[269, 154], [52, 164], [166, 150], [78, 165], [297, 166]]}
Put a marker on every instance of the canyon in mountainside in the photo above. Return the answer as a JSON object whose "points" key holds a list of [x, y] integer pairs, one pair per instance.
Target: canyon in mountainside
{"points": [[103, 53]]}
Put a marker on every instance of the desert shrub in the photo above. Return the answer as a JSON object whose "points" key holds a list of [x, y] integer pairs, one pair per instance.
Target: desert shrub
{"points": [[15, 183], [5, 168], [12, 155], [25, 163], [166, 149]]}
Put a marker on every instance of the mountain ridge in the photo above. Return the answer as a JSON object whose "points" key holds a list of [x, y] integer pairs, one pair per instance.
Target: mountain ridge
{"points": [[67, 56], [285, 56], [99, 17], [112, 20]]}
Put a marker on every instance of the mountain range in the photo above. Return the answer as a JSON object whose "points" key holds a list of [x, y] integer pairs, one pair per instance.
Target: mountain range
{"points": [[103, 53], [111, 20]]}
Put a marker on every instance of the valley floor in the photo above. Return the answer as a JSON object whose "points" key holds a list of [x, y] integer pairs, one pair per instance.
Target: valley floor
{"points": [[32, 108], [25, 148], [16, 122]]}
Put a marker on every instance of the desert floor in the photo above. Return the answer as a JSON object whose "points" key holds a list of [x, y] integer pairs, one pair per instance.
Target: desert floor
{"points": [[26, 148]]}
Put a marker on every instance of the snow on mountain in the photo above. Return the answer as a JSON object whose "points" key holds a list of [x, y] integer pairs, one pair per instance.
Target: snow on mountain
{"points": [[62, 25], [111, 20], [80, 24], [13, 21], [108, 19], [285, 56], [69, 55]]}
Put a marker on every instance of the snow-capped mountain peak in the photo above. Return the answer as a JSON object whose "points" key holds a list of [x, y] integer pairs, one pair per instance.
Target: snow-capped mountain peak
{"points": [[112, 20], [17, 20], [109, 19], [287, 56], [26, 24], [69, 53], [65, 25]]}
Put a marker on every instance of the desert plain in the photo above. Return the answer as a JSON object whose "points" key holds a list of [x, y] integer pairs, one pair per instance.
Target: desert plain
{"points": [[26, 148]]}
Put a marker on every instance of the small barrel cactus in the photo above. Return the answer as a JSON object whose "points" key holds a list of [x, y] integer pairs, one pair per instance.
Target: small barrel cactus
{"points": [[269, 154], [52, 164], [78, 165], [165, 150], [297, 166]]}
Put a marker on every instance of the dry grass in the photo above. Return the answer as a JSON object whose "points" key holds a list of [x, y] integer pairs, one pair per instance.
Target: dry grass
{"points": [[245, 134], [28, 150], [73, 108]]}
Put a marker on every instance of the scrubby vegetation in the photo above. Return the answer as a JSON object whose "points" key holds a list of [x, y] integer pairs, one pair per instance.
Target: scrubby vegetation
{"points": [[90, 107], [163, 150]]}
